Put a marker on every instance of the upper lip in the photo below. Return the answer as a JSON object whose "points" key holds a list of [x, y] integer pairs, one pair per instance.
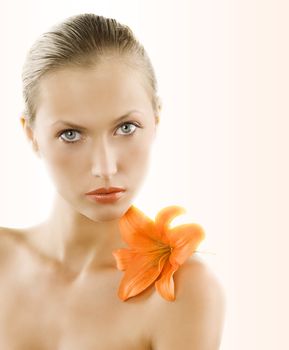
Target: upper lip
{"points": [[106, 190]]}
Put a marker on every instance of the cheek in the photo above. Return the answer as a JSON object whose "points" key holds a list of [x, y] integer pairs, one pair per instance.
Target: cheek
{"points": [[62, 166], [137, 161], [140, 153]]}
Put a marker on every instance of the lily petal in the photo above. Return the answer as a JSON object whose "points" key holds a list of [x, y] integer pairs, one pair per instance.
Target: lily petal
{"points": [[137, 229], [123, 257], [165, 284], [164, 218], [139, 275], [184, 240]]}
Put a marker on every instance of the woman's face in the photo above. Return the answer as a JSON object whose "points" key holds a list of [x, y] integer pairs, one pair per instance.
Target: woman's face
{"points": [[83, 143]]}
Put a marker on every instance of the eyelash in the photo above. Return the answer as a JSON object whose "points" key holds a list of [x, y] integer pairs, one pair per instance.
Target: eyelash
{"points": [[66, 130]]}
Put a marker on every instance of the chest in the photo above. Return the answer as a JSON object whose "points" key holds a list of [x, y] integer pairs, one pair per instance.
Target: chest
{"points": [[39, 312]]}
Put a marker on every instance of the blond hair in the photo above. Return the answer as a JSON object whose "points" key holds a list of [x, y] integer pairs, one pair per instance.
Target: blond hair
{"points": [[82, 41]]}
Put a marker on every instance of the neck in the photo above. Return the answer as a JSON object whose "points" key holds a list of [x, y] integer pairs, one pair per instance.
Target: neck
{"points": [[77, 243]]}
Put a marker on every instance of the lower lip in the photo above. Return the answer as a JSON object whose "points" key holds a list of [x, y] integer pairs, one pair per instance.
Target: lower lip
{"points": [[106, 198]]}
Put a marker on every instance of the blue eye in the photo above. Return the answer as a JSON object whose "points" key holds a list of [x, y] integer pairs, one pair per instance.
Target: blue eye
{"points": [[128, 123], [71, 131]]}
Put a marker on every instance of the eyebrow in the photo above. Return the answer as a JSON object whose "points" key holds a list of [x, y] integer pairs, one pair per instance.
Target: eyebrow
{"points": [[83, 128]]}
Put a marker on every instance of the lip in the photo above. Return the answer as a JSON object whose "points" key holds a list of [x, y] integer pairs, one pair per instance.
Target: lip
{"points": [[104, 190], [106, 198]]}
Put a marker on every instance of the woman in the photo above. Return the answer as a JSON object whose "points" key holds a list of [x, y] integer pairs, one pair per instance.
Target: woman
{"points": [[91, 115]]}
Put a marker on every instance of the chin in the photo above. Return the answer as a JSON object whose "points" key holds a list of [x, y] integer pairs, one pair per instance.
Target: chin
{"points": [[106, 212]]}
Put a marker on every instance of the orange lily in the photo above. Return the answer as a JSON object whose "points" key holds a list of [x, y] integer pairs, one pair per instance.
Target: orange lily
{"points": [[156, 250]]}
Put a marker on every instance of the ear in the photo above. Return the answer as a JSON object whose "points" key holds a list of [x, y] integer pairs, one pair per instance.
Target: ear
{"points": [[157, 120], [29, 134], [158, 111]]}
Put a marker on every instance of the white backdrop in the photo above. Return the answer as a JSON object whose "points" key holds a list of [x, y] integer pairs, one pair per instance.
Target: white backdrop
{"points": [[220, 66]]}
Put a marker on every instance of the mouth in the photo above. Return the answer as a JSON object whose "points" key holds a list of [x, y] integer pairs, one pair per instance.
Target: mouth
{"points": [[106, 198], [106, 191]]}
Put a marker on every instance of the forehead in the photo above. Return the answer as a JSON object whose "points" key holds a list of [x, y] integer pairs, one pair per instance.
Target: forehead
{"points": [[110, 88]]}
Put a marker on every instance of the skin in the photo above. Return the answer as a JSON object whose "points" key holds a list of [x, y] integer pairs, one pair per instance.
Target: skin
{"points": [[59, 279]]}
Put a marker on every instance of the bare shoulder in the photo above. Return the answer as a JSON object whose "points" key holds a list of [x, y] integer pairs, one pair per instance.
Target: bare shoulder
{"points": [[196, 276], [195, 319], [8, 242]]}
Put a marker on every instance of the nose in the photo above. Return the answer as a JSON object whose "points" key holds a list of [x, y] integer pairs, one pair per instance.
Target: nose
{"points": [[103, 160]]}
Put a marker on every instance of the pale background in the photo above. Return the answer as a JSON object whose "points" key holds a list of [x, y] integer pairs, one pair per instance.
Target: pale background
{"points": [[222, 149]]}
